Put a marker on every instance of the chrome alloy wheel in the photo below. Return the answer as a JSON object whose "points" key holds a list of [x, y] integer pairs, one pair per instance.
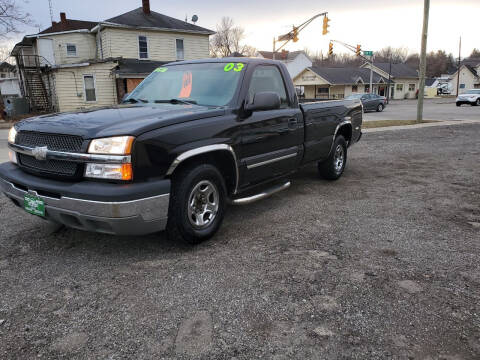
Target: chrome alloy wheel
{"points": [[339, 158], [203, 204]]}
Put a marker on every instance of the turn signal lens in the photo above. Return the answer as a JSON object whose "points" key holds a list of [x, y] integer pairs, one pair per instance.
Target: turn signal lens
{"points": [[12, 155], [12, 134], [109, 171]]}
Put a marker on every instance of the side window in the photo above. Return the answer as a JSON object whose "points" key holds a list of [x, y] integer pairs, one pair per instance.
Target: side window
{"points": [[268, 78], [71, 50], [180, 50], [142, 47], [89, 85]]}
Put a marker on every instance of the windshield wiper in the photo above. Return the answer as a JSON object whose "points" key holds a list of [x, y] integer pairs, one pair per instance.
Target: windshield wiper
{"points": [[176, 101], [134, 101]]}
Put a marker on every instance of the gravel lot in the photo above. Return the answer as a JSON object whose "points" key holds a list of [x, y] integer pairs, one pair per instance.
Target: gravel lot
{"points": [[383, 264]]}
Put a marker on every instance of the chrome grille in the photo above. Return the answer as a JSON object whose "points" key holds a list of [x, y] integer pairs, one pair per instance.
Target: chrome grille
{"points": [[54, 142], [56, 167]]}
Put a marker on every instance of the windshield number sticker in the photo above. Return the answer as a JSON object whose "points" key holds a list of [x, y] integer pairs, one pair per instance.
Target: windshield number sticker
{"points": [[161, 69], [231, 66]]}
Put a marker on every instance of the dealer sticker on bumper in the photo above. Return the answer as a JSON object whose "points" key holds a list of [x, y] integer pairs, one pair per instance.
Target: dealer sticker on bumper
{"points": [[34, 205]]}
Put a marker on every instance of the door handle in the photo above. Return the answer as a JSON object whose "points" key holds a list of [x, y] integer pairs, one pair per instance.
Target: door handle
{"points": [[292, 123]]}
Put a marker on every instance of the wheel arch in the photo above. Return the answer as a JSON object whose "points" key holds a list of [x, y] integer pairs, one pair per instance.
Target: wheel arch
{"points": [[221, 155]]}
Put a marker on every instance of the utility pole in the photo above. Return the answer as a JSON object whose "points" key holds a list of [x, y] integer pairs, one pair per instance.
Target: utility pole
{"points": [[389, 80], [458, 67], [423, 60], [273, 53], [371, 76]]}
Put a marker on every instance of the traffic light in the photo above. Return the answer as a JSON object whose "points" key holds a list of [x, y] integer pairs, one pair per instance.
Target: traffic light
{"points": [[295, 34], [326, 20], [330, 49], [359, 50]]}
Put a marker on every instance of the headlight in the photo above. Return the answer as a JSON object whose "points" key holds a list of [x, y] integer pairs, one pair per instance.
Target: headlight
{"points": [[12, 134], [119, 145]]}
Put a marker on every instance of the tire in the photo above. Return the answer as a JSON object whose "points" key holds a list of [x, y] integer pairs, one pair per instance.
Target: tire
{"points": [[380, 108], [459, 104], [477, 103], [331, 169], [197, 204]]}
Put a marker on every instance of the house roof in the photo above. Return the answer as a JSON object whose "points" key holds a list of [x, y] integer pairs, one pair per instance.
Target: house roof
{"points": [[430, 81], [281, 55], [398, 70], [472, 69], [138, 18], [4, 66], [69, 25], [342, 76], [137, 67]]}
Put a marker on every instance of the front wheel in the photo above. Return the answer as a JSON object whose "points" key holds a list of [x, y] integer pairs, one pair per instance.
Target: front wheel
{"points": [[380, 108], [333, 167], [477, 103], [197, 204], [459, 104]]}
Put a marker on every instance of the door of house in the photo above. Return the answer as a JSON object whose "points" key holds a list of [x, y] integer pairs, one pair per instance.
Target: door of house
{"points": [[45, 51]]}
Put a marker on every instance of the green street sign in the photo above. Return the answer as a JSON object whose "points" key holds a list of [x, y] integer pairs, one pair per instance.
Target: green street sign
{"points": [[368, 53]]}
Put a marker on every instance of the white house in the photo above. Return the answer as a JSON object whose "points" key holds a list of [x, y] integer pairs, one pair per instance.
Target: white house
{"points": [[77, 64], [295, 61], [469, 76], [9, 86]]}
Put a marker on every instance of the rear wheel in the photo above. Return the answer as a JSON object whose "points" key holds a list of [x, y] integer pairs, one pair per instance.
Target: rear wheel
{"points": [[333, 167], [477, 103], [380, 108], [197, 204]]}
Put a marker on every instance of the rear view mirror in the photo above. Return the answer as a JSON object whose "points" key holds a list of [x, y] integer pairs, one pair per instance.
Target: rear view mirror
{"points": [[267, 100]]}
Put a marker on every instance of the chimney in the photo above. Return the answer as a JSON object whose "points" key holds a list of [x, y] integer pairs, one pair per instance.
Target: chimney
{"points": [[146, 6], [63, 21]]}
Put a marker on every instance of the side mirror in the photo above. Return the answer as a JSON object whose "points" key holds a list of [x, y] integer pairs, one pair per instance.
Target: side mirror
{"points": [[267, 100]]}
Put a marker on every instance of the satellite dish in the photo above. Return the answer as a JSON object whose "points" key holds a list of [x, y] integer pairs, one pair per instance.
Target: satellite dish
{"points": [[194, 18]]}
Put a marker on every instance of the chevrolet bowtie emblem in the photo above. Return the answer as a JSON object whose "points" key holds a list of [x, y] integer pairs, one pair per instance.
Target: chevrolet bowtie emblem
{"points": [[40, 153]]}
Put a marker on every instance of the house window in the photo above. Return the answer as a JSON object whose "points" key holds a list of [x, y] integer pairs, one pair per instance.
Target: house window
{"points": [[411, 87], [462, 86], [71, 50], [367, 88], [179, 47], [399, 87], [476, 86], [355, 88], [142, 47], [89, 84], [3, 75]]}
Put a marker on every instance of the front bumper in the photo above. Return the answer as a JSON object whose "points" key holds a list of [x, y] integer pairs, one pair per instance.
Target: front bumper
{"points": [[119, 209]]}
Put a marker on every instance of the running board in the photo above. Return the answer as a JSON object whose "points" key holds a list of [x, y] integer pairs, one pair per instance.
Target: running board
{"points": [[262, 195]]}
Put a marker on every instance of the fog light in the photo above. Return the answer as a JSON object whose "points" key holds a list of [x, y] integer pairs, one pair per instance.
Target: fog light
{"points": [[12, 155], [109, 171]]}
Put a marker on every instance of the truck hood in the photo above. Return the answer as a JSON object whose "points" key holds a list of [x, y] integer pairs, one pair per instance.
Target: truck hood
{"points": [[134, 119]]}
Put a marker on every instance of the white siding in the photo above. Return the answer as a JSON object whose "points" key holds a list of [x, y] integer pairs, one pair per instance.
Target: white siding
{"points": [[69, 86], [85, 43], [297, 65], [161, 45], [467, 78]]}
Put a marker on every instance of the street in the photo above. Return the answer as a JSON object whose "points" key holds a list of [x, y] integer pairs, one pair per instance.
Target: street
{"points": [[434, 109], [382, 264]]}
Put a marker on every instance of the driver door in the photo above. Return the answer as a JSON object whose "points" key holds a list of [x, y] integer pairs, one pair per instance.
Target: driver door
{"points": [[271, 140]]}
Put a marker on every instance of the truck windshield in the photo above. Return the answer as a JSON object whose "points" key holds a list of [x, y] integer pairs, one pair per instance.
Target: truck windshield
{"points": [[209, 84]]}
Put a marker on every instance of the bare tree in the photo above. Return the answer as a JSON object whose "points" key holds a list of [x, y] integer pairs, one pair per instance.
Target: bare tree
{"points": [[228, 40], [12, 16], [398, 55], [5, 50], [475, 53]]}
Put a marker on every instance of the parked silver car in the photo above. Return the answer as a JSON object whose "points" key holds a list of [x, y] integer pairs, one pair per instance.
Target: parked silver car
{"points": [[370, 102]]}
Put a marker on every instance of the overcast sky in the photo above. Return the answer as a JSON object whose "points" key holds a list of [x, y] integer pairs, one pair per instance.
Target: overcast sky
{"points": [[372, 23]]}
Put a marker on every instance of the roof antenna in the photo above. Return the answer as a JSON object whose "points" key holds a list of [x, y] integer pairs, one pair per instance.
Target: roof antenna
{"points": [[51, 10], [194, 18], [186, 18]]}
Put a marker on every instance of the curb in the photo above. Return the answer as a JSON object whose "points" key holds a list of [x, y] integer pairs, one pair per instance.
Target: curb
{"points": [[404, 127]]}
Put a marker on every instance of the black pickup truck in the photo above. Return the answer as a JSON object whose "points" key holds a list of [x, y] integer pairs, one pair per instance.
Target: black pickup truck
{"points": [[192, 138]]}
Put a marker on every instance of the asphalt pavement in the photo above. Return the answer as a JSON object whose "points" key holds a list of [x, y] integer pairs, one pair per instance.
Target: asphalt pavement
{"points": [[434, 109], [382, 264]]}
